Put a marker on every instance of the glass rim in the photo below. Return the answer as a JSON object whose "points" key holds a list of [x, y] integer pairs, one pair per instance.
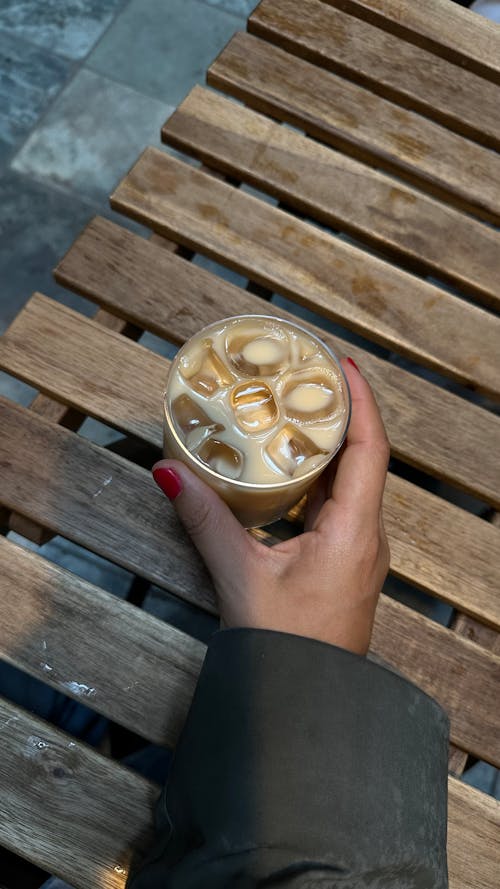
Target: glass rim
{"points": [[234, 482]]}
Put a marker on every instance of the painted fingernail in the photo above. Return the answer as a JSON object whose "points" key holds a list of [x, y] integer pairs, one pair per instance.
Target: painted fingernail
{"points": [[168, 481], [352, 361]]}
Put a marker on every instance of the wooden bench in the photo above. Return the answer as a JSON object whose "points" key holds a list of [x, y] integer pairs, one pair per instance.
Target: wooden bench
{"points": [[382, 180]]}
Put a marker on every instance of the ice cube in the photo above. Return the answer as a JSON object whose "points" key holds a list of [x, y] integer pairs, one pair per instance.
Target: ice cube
{"points": [[192, 422], [310, 396], [307, 350], [290, 448], [204, 370], [197, 436], [310, 464], [188, 414], [254, 351], [254, 406], [222, 458]]}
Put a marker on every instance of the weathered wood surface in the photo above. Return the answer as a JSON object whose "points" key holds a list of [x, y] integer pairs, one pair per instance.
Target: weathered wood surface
{"points": [[95, 647], [473, 829], [98, 811], [360, 123], [103, 503], [328, 275], [434, 544], [67, 808], [60, 413], [121, 662], [390, 67], [339, 191], [60, 479], [393, 631], [110, 385], [455, 33], [81, 816], [446, 436], [488, 638]]}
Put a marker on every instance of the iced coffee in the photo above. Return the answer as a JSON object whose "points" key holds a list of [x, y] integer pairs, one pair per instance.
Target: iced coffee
{"points": [[257, 407]]}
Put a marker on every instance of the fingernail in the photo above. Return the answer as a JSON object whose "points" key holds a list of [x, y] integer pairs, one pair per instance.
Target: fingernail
{"points": [[168, 481], [352, 361]]}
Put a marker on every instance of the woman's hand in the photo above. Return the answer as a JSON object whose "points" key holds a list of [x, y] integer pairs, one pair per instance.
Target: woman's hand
{"points": [[325, 582]]}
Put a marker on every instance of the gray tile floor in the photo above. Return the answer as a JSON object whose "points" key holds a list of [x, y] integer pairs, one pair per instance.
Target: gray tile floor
{"points": [[84, 86]]}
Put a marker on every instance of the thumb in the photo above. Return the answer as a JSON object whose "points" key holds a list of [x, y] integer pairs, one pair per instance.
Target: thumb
{"points": [[222, 542]]}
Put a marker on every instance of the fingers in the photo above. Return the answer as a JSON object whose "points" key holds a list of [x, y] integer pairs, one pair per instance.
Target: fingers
{"points": [[359, 482], [220, 539]]}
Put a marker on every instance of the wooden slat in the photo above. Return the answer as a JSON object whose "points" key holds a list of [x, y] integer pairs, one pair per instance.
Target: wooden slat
{"points": [[66, 808], [473, 829], [95, 647], [434, 544], [60, 413], [360, 123], [457, 760], [488, 638], [100, 814], [121, 661], [52, 475], [339, 191], [316, 269], [394, 631], [452, 32], [116, 393], [124, 673], [426, 533], [393, 68], [477, 632], [446, 436], [122, 499]]}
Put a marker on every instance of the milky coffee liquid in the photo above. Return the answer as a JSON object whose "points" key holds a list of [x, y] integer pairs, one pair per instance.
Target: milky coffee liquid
{"points": [[258, 400]]}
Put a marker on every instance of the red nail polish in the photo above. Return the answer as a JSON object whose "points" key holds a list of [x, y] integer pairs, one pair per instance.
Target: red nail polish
{"points": [[168, 481], [352, 361]]}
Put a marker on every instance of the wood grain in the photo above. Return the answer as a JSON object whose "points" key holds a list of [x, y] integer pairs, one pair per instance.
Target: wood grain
{"points": [[488, 638], [66, 808], [452, 32], [55, 477], [444, 435], [390, 67], [320, 271], [117, 390], [339, 191], [473, 829], [100, 814], [360, 123], [477, 632], [95, 647], [457, 760], [435, 545], [60, 413], [60, 479], [446, 681]]}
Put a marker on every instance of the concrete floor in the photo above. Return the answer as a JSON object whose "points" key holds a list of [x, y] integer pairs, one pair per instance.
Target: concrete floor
{"points": [[85, 85]]}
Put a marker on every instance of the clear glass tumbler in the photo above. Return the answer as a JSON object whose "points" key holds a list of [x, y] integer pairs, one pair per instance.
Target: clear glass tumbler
{"points": [[257, 407]]}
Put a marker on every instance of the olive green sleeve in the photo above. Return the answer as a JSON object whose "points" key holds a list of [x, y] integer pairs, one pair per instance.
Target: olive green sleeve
{"points": [[302, 765]]}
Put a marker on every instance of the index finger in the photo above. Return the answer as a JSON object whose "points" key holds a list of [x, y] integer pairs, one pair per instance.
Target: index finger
{"points": [[361, 473]]}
